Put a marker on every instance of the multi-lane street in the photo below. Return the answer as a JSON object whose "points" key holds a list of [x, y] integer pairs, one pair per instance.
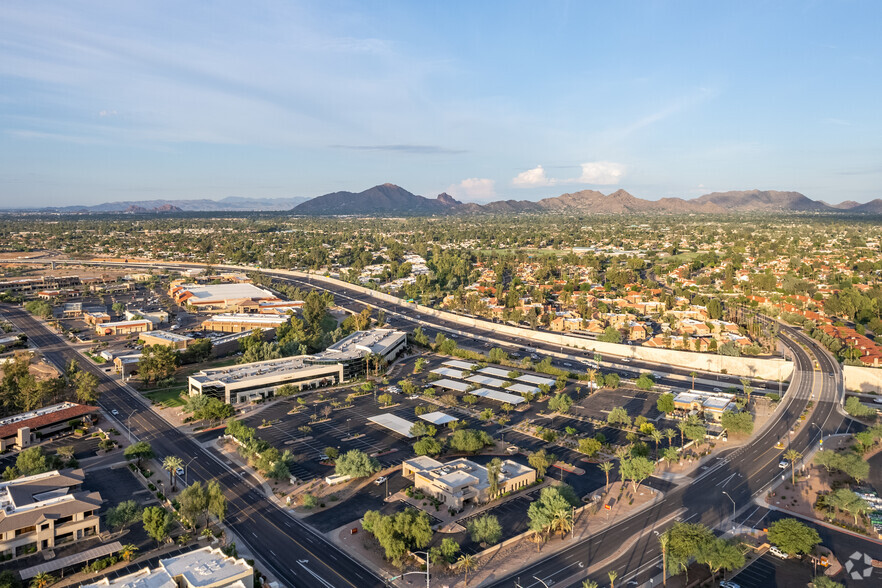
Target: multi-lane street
{"points": [[291, 552], [299, 557]]}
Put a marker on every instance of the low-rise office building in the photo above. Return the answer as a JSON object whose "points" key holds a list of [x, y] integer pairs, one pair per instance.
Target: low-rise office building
{"points": [[251, 381], [96, 317], [202, 568], [353, 351], [22, 430], [124, 327], [154, 316], [462, 481], [241, 322], [166, 338], [46, 510], [712, 404]]}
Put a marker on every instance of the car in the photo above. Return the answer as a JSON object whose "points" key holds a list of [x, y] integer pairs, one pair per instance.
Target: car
{"points": [[784, 464], [323, 457], [877, 400], [566, 364], [380, 480], [114, 412], [832, 375], [179, 471], [777, 552], [626, 360], [717, 390]]}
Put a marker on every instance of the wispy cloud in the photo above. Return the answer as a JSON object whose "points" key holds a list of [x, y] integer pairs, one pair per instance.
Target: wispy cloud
{"points": [[412, 149]]}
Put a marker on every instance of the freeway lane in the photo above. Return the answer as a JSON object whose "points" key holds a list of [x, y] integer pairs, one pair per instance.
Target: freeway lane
{"points": [[286, 548], [744, 473]]}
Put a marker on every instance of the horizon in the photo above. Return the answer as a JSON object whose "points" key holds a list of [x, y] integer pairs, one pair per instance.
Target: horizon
{"points": [[107, 102]]}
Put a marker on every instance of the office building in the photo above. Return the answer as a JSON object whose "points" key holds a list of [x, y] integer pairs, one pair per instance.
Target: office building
{"points": [[462, 481]]}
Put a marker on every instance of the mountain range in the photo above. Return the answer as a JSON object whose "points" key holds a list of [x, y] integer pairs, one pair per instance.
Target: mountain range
{"points": [[392, 200], [389, 199]]}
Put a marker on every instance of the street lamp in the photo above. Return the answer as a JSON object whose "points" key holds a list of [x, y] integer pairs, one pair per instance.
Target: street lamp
{"points": [[543, 583], [820, 430], [186, 477], [733, 509], [426, 553], [128, 427]]}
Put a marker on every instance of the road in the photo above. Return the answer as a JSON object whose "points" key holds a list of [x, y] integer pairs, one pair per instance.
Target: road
{"points": [[290, 551]]}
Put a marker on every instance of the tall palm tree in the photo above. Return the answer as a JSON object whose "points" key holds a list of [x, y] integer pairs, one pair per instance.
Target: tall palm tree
{"points": [[466, 563], [748, 389], [656, 436], [606, 467], [42, 580], [562, 522], [670, 434], [792, 455], [170, 464], [682, 428], [663, 540], [591, 373], [538, 538], [612, 578], [128, 552], [589, 584]]}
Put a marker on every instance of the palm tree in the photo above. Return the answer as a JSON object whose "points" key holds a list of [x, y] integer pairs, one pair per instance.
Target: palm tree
{"points": [[682, 427], [656, 436], [42, 580], [589, 584], [606, 467], [170, 464], [612, 578], [466, 563], [670, 434], [538, 538], [562, 522], [591, 373], [792, 455], [128, 552], [693, 374], [663, 540], [748, 389]]}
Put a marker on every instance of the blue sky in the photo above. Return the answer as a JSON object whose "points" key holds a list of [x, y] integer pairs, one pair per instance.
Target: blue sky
{"points": [[123, 100]]}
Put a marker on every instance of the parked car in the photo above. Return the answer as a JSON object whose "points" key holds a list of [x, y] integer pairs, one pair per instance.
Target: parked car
{"points": [[777, 552], [114, 412]]}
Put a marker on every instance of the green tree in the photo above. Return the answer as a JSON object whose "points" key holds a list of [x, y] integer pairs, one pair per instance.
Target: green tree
{"points": [[157, 522], [485, 529], [466, 563], [157, 362], [618, 416], [32, 461], [560, 403], [217, 502], [610, 335], [793, 537], [541, 461], [42, 580], [494, 468], [825, 582], [39, 308], [794, 456], [193, 501], [645, 381], [665, 403], [685, 542], [469, 440], [855, 408], [87, 387], [542, 512], [123, 514], [720, 554], [589, 446], [170, 464], [427, 446], [611, 380], [140, 451], [740, 423], [606, 467], [400, 532], [636, 469], [128, 551], [356, 463]]}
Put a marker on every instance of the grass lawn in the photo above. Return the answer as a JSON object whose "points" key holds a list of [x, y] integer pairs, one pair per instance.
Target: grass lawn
{"points": [[169, 397]]}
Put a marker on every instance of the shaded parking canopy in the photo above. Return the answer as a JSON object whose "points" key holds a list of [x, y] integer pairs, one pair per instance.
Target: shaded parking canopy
{"points": [[492, 371], [394, 423], [460, 365], [438, 418], [486, 381], [498, 396], [448, 372], [531, 379], [71, 560], [523, 389], [451, 385]]}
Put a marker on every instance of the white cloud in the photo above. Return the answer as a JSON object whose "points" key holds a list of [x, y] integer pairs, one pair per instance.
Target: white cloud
{"points": [[593, 172], [601, 172], [473, 189], [532, 178]]}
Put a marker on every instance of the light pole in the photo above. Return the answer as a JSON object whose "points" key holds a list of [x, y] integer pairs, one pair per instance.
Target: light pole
{"points": [[186, 477], [821, 431], [128, 426], [733, 509], [543, 583], [426, 553]]}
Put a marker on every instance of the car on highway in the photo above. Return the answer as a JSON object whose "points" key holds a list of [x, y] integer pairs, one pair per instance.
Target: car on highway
{"points": [[179, 471], [877, 400], [567, 364], [717, 390], [379, 480], [784, 464], [626, 360]]}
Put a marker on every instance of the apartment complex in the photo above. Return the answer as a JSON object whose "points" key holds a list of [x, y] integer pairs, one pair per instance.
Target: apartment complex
{"points": [[462, 481], [202, 568], [46, 510]]}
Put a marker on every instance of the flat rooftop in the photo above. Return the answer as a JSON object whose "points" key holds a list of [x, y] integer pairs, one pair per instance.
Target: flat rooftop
{"points": [[360, 343], [448, 372], [43, 417], [530, 379], [460, 365], [210, 293], [168, 336], [438, 418], [451, 385], [254, 319], [246, 371], [492, 371], [393, 423], [498, 396], [205, 567], [483, 380]]}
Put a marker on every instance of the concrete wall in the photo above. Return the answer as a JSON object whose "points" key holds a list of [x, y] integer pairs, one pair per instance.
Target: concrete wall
{"points": [[769, 369], [863, 379]]}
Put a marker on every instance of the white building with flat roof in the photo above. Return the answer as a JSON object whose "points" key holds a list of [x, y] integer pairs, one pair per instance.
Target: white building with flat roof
{"points": [[218, 296], [463, 481], [202, 568]]}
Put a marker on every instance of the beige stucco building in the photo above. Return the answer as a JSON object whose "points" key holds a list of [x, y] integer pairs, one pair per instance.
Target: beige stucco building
{"points": [[462, 481]]}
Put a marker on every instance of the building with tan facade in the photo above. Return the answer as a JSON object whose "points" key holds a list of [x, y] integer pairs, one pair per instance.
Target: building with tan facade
{"points": [[460, 482]]}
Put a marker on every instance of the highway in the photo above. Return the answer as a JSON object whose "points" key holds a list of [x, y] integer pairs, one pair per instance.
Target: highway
{"points": [[290, 551], [743, 473]]}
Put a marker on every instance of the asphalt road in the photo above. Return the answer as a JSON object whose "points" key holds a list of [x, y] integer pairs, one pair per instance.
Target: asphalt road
{"points": [[290, 551]]}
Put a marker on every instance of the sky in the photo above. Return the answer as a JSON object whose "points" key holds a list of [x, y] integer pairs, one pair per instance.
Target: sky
{"points": [[120, 100]]}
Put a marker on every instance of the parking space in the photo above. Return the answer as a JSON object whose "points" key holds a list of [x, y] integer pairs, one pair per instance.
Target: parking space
{"points": [[512, 516], [773, 571], [116, 485], [636, 402]]}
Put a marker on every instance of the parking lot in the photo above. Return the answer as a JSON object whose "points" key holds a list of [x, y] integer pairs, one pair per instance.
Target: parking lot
{"points": [[773, 571]]}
